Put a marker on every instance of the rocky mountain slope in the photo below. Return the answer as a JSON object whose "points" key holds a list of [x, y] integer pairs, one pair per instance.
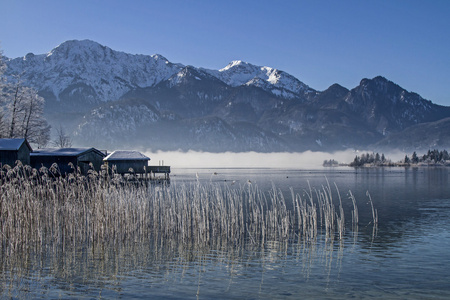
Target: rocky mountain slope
{"points": [[111, 99], [420, 137]]}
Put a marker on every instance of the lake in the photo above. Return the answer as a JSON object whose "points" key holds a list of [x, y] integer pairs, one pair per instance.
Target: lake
{"points": [[405, 256]]}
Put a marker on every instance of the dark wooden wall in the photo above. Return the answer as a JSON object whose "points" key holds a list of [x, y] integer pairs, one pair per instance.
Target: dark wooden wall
{"points": [[123, 166], [9, 157]]}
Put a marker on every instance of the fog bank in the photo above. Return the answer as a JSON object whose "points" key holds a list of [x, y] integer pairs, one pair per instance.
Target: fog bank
{"points": [[303, 160]]}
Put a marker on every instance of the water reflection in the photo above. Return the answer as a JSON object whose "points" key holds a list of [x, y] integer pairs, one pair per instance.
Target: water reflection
{"points": [[164, 268], [406, 256]]}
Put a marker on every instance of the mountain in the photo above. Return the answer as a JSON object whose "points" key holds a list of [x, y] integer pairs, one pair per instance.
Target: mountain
{"points": [[419, 138], [112, 99], [387, 107], [87, 73]]}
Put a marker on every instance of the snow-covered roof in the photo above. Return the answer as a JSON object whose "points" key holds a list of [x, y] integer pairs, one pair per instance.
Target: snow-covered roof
{"points": [[62, 151], [11, 144], [126, 155]]}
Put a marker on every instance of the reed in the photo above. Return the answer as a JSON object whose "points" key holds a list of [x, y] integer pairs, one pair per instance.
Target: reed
{"points": [[39, 209], [374, 211]]}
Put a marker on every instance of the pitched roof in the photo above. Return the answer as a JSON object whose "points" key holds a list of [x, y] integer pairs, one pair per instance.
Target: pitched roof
{"points": [[12, 144], [63, 151], [126, 155]]}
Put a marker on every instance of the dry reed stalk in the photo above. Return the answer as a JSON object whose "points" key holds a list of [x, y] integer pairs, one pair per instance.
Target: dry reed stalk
{"points": [[374, 211], [355, 216], [36, 209]]}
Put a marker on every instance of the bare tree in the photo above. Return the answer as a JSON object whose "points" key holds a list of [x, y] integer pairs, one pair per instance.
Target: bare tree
{"points": [[25, 114], [21, 111], [33, 126], [2, 123], [15, 96], [2, 86], [62, 140]]}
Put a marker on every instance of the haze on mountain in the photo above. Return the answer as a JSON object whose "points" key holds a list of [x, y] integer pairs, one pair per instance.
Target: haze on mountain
{"points": [[110, 99]]}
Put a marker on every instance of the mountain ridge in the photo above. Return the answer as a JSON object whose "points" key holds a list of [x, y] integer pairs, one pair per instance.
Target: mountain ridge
{"points": [[150, 102]]}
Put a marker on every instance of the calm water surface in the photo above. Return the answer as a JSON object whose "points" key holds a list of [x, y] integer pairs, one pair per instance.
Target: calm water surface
{"points": [[406, 257]]}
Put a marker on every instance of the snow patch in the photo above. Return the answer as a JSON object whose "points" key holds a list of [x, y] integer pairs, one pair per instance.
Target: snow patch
{"points": [[276, 92], [125, 155]]}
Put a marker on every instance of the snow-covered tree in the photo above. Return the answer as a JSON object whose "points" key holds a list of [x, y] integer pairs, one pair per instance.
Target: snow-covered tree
{"points": [[2, 69], [24, 114], [2, 85], [21, 114], [15, 96], [33, 126]]}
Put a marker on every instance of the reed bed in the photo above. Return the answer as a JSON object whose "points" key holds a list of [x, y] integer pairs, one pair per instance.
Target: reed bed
{"points": [[39, 209]]}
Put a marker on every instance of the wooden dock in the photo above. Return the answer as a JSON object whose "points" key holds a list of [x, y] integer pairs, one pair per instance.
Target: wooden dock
{"points": [[153, 170]]}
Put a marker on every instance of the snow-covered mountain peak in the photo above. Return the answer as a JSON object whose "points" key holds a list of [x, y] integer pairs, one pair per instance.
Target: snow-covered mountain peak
{"points": [[79, 51], [108, 72], [190, 74], [236, 63], [159, 57], [280, 83], [249, 70], [76, 46]]}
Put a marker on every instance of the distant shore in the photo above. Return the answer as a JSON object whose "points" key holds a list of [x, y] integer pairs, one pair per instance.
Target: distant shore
{"points": [[391, 164], [433, 158]]}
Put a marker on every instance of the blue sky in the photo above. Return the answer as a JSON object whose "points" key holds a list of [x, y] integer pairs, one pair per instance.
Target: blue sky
{"points": [[319, 42]]}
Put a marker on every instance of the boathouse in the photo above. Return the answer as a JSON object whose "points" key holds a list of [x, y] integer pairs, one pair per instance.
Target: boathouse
{"points": [[12, 150], [81, 158], [122, 162]]}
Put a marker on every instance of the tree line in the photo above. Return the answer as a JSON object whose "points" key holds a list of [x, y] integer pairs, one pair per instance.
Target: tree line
{"points": [[370, 158], [431, 157]]}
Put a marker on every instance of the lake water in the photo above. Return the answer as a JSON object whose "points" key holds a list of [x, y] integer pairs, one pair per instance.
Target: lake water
{"points": [[407, 256]]}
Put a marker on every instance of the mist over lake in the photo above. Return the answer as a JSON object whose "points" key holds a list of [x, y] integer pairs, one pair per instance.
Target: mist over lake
{"points": [[251, 159]]}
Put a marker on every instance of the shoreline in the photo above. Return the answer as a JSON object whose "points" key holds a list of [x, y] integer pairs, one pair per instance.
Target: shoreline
{"points": [[396, 165]]}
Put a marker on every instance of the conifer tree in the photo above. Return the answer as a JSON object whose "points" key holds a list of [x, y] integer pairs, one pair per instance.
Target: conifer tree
{"points": [[414, 158], [377, 157], [406, 160]]}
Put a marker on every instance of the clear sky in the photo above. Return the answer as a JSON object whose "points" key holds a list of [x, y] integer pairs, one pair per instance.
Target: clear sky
{"points": [[319, 42]]}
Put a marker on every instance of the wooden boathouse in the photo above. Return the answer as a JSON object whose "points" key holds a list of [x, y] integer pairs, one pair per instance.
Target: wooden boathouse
{"points": [[12, 150], [70, 160], [82, 158], [133, 162], [123, 162]]}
